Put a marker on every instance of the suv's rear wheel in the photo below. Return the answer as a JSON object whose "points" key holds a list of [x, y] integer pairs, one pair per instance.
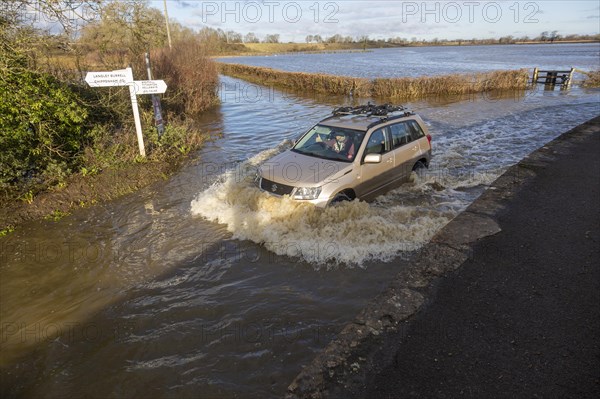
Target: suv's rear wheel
{"points": [[419, 165], [418, 171]]}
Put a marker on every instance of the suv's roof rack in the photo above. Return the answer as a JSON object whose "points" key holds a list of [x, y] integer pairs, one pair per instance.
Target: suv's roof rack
{"points": [[371, 110]]}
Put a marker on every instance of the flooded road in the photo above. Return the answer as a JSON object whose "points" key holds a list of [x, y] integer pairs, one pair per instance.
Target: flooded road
{"points": [[199, 285]]}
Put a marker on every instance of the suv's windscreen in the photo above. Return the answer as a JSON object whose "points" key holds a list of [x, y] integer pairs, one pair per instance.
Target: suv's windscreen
{"points": [[328, 142]]}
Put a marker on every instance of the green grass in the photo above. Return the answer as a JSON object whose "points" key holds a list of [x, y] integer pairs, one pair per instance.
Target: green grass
{"points": [[56, 215]]}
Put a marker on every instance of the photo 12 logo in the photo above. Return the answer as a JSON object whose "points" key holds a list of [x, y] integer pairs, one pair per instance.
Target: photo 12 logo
{"points": [[268, 11], [70, 14], [469, 11], [238, 92]]}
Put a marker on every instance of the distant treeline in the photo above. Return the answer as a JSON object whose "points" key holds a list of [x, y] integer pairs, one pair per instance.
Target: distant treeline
{"points": [[216, 38]]}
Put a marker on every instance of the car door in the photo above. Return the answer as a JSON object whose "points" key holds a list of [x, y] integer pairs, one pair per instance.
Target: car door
{"points": [[419, 135], [406, 150], [375, 177]]}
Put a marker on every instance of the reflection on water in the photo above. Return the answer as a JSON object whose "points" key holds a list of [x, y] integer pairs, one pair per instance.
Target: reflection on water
{"points": [[177, 289]]}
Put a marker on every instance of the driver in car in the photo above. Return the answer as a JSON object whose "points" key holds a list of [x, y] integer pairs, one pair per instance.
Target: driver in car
{"points": [[341, 144]]}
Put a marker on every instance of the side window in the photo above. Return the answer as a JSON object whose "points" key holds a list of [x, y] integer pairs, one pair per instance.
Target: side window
{"points": [[401, 134], [415, 130], [376, 143]]}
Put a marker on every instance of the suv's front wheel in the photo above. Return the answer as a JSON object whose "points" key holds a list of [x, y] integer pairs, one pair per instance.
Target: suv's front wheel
{"points": [[341, 197]]}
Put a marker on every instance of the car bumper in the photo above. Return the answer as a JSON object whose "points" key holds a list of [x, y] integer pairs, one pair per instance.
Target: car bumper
{"points": [[320, 201]]}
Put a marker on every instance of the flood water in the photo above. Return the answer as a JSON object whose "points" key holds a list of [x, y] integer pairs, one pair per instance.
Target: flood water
{"points": [[427, 61], [200, 286]]}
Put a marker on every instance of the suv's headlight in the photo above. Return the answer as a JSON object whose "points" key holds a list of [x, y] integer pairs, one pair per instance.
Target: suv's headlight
{"points": [[307, 193]]}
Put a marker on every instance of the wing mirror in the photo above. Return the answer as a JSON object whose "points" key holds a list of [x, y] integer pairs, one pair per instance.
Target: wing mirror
{"points": [[373, 158]]}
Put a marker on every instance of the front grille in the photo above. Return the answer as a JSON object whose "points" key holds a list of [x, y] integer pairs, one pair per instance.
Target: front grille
{"points": [[275, 188]]}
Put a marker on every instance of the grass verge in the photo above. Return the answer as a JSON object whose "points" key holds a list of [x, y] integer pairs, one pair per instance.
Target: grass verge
{"points": [[104, 179], [592, 79], [113, 168]]}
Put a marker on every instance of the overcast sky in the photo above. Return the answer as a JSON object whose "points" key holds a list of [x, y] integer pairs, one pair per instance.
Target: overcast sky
{"points": [[294, 20]]}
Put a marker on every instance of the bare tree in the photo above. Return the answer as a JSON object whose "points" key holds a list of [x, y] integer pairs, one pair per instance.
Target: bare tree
{"points": [[130, 26], [251, 38], [337, 38], [233, 37], [272, 38]]}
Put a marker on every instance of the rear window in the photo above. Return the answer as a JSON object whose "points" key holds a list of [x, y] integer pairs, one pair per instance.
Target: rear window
{"points": [[415, 130], [400, 134]]}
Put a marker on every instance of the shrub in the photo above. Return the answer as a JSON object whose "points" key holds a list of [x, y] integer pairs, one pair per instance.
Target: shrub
{"points": [[191, 76], [41, 123]]}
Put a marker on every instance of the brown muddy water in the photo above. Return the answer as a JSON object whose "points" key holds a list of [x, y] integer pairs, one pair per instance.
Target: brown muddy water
{"points": [[201, 286]]}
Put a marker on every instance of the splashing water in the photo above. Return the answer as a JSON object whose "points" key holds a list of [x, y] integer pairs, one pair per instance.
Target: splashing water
{"points": [[349, 233]]}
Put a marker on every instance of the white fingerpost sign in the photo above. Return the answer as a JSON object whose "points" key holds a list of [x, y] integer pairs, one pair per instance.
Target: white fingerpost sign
{"points": [[150, 86], [124, 77]]}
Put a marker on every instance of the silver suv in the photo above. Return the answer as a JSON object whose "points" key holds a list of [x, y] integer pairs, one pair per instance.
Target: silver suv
{"points": [[359, 152]]}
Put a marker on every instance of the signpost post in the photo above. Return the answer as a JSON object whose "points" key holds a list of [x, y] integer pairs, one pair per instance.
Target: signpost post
{"points": [[124, 77], [158, 120]]}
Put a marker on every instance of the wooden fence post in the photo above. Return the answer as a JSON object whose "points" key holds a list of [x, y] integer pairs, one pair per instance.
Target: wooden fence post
{"points": [[570, 78]]}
